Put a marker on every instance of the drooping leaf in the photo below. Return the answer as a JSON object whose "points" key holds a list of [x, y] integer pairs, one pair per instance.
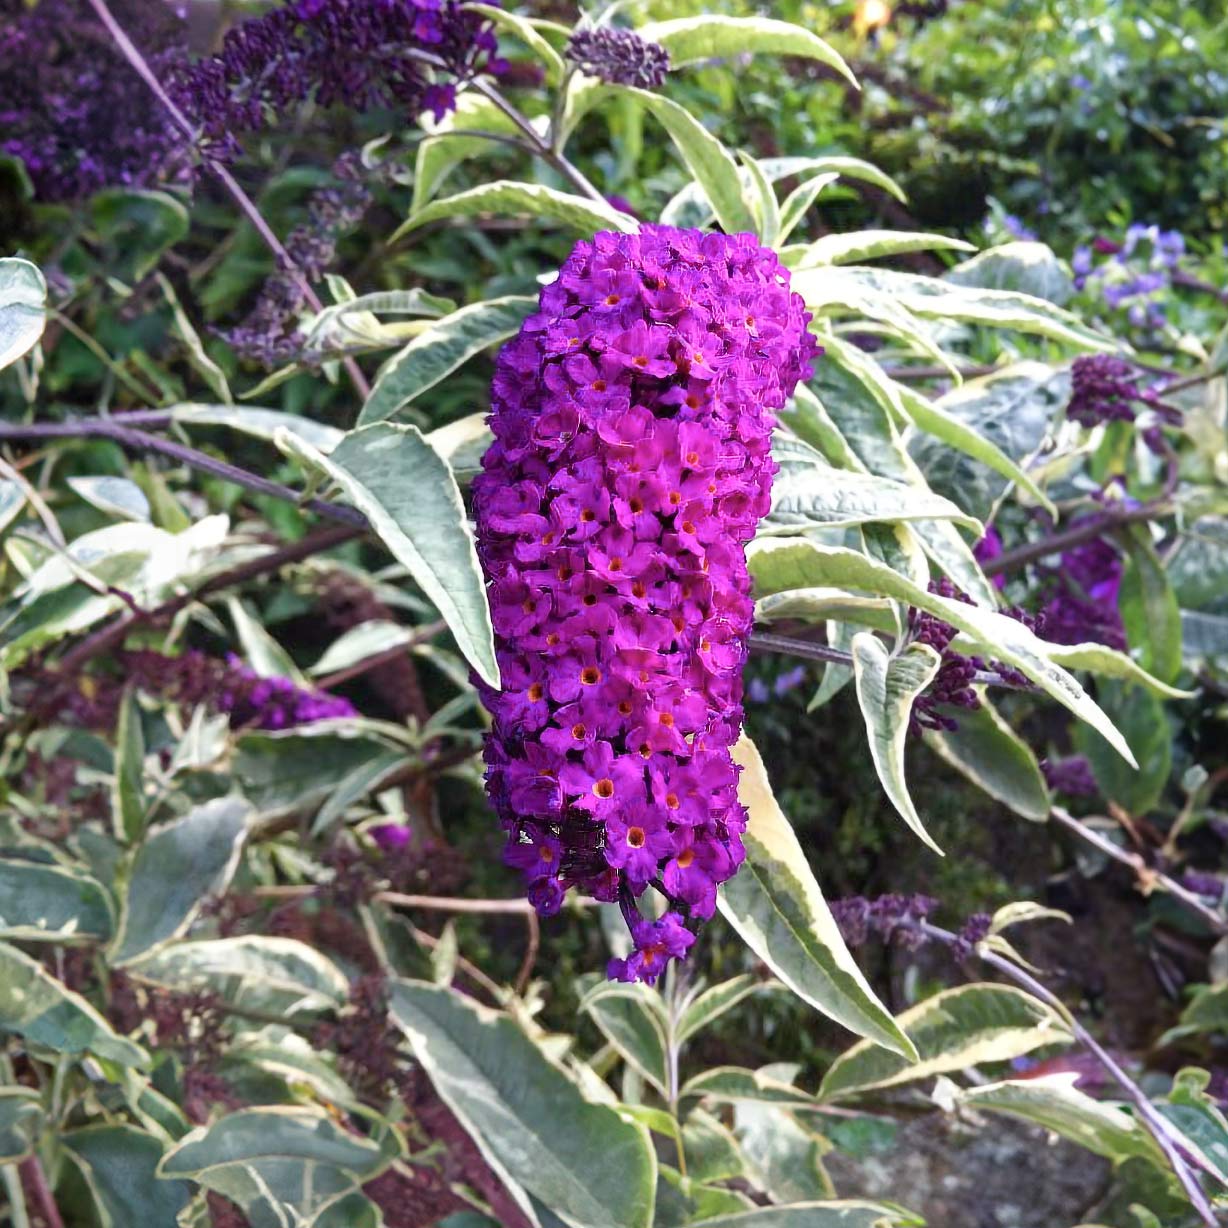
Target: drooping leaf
{"points": [[856, 246], [1054, 1102], [443, 149], [437, 351], [115, 496], [36, 1005], [278, 976], [119, 1164], [991, 754], [263, 654], [1109, 663], [355, 322], [23, 313], [282, 1165], [528, 34], [887, 687], [21, 1122], [710, 163], [584, 1161], [760, 198], [798, 203], [1149, 608], [776, 906], [260, 423], [42, 902], [398, 481], [707, 1007], [712, 36], [778, 565], [965, 1026], [1144, 724], [176, 869], [1028, 267], [506, 196], [128, 779], [632, 1019], [359, 643]]}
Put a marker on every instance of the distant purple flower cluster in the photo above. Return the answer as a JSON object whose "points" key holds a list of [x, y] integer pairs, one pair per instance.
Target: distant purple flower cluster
{"points": [[194, 678], [364, 54], [758, 691], [1071, 776], [71, 108], [954, 683], [270, 335], [632, 420], [1106, 388], [888, 917], [618, 57], [1137, 275], [1081, 596]]}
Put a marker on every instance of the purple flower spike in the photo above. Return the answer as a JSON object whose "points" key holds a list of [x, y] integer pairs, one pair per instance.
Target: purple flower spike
{"points": [[632, 419]]}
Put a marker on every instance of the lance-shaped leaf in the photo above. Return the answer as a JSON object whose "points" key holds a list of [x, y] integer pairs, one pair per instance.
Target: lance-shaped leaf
{"points": [[954, 1029], [776, 905], [798, 203], [280, 976], [836, 1213], [587, 1163], [281, 1165], [711, 36], [527, 32], [21, 1122], [778, 564], [23, 308], [115, 496], [128, 779], [738, 1085], [438, 350], [855, 246], [887, 687], [1054, 1102], [992, 755], [1149, 607], [406, 490], [44, 902], [120, 1167], [632, 1019], [706, 1007], [1109, 663], [506, 196], [442, 149], [175, 870], [35, 1005], [259, 423], [706, 158]]}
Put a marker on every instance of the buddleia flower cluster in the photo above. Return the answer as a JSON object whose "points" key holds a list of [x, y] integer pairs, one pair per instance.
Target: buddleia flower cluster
{"points": [[406, 55], [631, 463], [72, 111], [618, 57], [1081, 595]]}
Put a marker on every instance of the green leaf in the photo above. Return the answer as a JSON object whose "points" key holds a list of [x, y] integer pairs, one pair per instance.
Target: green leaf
{"points": [[632, 1019], [1206, 1014], [806, 495], [392, 475], [119, 1164], [706, 158], [691, 40], [279, 976], [1109, 663], [265, 656], [966, 1026], [1141, 718], [435, 353], [128, 780], [176, 869], [115, 496], [360, 643], [991, 754], [21, 1122], [261, 423], [524, 30], [1204, 1131], [761, 200], [841, 1213], [816, 605], [785, 1156], [506, 196], [282, 1165], [35, 1005], [778, 565], [588, 1164], [712, 1153], [1148, 606], [1029, 267], [41, 902], [737, 1085], [713, 1002], [440, 152], [928, 297], [887, 686], [354, 323], [137, 227], [798, 203], [776, 906], [23, 308], [1204, 637], [856, 246], [1052, 1101]]}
